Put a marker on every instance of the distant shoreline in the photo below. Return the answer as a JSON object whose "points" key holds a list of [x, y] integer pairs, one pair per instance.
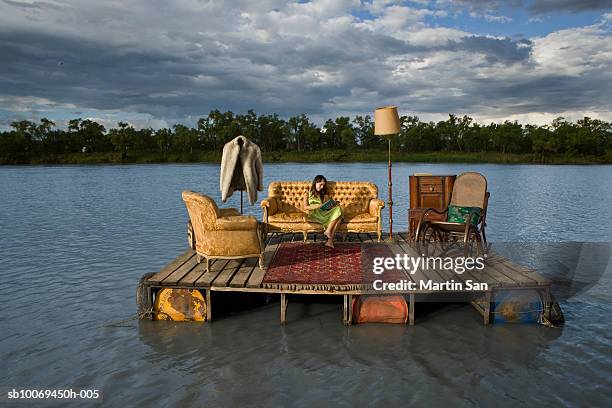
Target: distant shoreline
{"points": [[321, 156]]}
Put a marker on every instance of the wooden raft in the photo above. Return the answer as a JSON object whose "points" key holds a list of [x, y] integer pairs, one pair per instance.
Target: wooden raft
{"points": [[245, 276]]}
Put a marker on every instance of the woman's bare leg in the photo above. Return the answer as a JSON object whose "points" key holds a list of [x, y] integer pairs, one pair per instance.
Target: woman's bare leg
{"points": [[337, 222], [332, 227], [329, 232]]}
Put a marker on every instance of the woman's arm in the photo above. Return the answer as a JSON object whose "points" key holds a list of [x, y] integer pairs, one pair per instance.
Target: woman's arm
{"points": [[310, 207]]}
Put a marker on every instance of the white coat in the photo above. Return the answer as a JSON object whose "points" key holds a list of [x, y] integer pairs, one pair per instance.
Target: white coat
{"points": [[241, 168]]}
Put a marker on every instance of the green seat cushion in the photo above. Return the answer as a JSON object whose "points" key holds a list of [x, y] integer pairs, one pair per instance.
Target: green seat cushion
{"points": [[461, 214]]}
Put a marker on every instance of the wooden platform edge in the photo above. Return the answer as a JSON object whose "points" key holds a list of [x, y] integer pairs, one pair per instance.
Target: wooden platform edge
{"points": [[502, 274]]}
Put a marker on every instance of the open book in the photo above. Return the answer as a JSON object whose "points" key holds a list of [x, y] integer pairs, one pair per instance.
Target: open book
{"points": [[329, 204]]}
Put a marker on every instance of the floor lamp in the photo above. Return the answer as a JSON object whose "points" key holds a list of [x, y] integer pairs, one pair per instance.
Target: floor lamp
{"points": [[387, 123]]}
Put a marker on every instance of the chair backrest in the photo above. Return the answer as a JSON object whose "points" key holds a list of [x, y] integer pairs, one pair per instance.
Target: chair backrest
{"points": [[469, 190], [353, 196], [203, 212]]}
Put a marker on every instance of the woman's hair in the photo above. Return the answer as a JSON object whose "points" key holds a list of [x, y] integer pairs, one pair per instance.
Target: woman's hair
{"points": [[313, 187]]}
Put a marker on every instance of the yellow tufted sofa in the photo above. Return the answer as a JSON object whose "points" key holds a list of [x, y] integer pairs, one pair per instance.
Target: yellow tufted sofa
{"points": [[283, 210]]}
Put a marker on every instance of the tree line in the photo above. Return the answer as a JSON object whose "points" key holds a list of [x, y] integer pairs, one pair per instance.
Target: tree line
{"points": [[26, 139]]}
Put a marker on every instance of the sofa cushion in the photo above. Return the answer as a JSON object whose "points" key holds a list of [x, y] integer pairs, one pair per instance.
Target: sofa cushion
{"points": [[359, 218], [288, 217]]}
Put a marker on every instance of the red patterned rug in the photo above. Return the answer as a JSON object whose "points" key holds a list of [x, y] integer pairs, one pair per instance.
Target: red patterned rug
{"points": [[298, 265]]}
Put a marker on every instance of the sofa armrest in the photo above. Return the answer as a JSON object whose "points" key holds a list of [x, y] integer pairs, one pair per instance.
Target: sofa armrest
{"points": [[270, 206], [236, 223], [376, 205]]}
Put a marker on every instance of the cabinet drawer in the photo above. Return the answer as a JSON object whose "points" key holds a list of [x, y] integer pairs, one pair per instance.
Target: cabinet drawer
{"points": [[431, 188], [430, 179]]}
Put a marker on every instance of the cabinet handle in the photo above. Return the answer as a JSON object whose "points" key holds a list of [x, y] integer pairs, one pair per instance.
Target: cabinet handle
{"points": [[431, 188]]}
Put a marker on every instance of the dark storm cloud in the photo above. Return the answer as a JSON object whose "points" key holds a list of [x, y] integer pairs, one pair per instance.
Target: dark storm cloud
{"points": [[538, 6], [497, 49], [135, 59], [574, 6], [554, 93], [36, 5], [89, 73]]}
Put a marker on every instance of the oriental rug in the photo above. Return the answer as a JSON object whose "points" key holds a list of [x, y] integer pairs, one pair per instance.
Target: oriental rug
{"points": [[313, 266]]}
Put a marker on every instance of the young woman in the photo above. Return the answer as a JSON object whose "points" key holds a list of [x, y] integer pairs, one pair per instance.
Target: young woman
{"points": [[313, 200]]}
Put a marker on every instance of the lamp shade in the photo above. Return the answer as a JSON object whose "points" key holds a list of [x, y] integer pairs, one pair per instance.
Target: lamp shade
{"points": [[386, 121]]}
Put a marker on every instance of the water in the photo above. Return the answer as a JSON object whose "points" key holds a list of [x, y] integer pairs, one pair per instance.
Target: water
{"points": [[75, 240]]}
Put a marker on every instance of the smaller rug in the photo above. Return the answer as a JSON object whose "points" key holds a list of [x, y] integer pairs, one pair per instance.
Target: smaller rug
{"points": [[313, 266]]}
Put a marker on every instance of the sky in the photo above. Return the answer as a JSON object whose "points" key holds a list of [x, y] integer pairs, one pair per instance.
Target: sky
{"points": [[156, 63]]}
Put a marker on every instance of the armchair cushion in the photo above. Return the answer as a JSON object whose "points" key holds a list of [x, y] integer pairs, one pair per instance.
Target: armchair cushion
{"points": [[461, 214], [236, 223], [225, 212]]}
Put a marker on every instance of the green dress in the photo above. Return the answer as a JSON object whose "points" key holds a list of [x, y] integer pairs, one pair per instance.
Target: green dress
{"points": [[321, 216]]}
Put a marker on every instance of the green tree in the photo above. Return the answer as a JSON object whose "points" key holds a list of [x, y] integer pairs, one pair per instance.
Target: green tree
{"points": [[185, 138], [122, 138], [364, 133], [300, 130], [163, 139]]}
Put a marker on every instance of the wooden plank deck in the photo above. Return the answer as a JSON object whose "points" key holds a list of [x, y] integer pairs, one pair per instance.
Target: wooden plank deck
{"points": [[245, 275]]}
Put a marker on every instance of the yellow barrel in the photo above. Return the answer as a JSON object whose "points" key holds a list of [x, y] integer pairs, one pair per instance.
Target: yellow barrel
{"points": [[180, 305]]}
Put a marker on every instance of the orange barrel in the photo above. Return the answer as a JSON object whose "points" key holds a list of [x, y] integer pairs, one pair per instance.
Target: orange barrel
{"points": [[180, 305], [379, 309]]}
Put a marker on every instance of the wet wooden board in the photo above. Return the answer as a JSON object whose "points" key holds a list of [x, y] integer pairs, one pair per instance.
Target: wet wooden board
{"points": [[193, 275], [423, 274], [180, 272], [228, 272], [403, 236], [257, 275], [171, 267], [207, 279], [495, 275], [243, 274], [246, 269], [509, 267], [519, 278], [396, 249]]}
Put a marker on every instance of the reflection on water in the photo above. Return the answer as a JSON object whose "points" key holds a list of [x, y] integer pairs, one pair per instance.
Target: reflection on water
{"points": [[75, 240]]}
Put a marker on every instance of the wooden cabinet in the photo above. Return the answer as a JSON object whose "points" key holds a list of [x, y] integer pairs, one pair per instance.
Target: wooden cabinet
{"points": [[428, 192]]}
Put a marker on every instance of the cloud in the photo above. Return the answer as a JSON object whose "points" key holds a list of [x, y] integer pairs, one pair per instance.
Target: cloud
{"points": [[497, 49], [496, 19], [573, 6], [154, 66], [534, 6]]}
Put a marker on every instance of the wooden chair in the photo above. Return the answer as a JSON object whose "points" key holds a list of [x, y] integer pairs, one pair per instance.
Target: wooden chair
{"points": [[469, 191]]}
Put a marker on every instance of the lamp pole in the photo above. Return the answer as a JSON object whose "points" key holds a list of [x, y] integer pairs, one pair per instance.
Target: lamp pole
{"points": [[390, 196], [387, 123]]}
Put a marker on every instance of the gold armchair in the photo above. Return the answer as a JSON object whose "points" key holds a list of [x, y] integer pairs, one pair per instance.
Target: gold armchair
{"points": [[222, 233]]}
